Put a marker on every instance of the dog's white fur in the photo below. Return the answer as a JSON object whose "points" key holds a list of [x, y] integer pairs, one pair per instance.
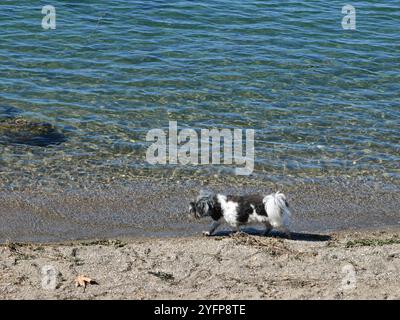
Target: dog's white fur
{"points": [[229, 210], [276, 215], [278, 211]]}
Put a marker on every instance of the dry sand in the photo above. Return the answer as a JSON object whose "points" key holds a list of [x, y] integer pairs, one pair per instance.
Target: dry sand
{"points": [[342, 266]]}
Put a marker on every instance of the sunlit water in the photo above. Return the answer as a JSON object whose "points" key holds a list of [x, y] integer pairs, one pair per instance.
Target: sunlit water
{"points": [[323, 101]]}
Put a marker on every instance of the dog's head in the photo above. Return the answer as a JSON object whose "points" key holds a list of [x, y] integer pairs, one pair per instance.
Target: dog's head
{"points": [[202, 207]]}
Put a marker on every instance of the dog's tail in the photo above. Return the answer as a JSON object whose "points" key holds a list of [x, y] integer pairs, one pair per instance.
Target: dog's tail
{"points": [[277, 209]]}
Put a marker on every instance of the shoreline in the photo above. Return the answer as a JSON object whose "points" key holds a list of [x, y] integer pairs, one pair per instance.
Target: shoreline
{"points": [[159, 209], [343, 265]]}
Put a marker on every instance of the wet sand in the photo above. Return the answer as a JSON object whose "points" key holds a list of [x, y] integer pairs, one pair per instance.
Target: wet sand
{"points": [[159, 208], [352, 265]]}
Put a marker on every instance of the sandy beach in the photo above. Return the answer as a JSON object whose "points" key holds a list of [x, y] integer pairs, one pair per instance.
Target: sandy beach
{"points": [[115, 117], [350, 265]]}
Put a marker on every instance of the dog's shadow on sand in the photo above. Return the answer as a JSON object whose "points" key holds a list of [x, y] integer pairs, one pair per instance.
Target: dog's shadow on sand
{"points": [[275, 234]]}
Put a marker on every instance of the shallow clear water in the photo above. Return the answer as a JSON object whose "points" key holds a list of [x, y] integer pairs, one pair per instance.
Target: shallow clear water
{"points": [[323, 101]]}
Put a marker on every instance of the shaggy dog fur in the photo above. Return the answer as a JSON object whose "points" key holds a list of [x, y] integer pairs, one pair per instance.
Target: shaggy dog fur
{"points": [[271, 210]]}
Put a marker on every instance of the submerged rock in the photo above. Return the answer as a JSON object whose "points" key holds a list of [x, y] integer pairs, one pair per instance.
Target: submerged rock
{"points": [[21, 131]]}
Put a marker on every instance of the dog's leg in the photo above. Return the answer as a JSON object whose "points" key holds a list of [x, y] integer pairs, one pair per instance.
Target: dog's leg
{"points": [[213, 227]]}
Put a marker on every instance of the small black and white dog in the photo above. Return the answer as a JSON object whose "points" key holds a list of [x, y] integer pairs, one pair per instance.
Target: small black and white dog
{"points": [[271, 210]]}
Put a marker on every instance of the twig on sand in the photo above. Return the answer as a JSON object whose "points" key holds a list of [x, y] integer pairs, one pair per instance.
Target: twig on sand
{"points": [[162, 275], [271, 245]]}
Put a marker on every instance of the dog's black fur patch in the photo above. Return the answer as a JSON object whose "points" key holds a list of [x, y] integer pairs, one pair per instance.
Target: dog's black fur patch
{"points": [[210, 206], [244, 208], [216, 212]]}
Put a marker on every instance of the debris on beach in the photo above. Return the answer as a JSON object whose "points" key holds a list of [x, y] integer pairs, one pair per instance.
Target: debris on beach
{"points": [[372, 242], [162, 275], [275, 247], [83, 281]]}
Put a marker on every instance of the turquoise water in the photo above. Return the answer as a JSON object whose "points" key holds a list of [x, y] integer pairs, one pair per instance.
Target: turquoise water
{"points": [[323, 101]]}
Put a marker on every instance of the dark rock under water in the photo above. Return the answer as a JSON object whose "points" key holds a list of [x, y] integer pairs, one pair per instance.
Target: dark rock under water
{"points": [[16, 130]]}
